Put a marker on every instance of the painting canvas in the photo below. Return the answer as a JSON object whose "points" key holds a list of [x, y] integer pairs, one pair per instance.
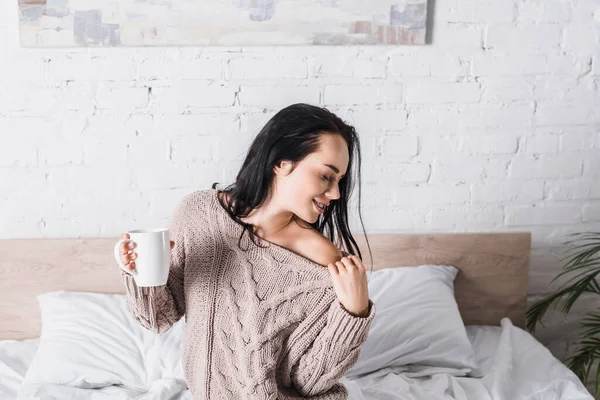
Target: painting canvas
{"points": [[66, 23]]}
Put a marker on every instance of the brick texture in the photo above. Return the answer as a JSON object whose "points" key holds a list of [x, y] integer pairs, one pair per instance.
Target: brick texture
{"points": [[491, 127]]}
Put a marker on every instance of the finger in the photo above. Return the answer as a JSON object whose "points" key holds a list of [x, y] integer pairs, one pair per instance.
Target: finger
{"points": [[348, 262], [340, 266], [358, 262], [172, 244], [124, 236], [131, 265], [131, 246], [127, 246], [332, 269], [356, 259]]}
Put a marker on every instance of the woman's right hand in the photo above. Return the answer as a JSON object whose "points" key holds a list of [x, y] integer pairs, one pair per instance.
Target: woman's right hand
{"points": [[128, 258]]}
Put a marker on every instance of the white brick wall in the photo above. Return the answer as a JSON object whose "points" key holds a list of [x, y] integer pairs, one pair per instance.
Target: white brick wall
{"points": [[493, 127]]}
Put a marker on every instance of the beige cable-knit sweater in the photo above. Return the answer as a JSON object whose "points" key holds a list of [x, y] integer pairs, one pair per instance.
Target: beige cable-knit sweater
{"points": [[260, 324]]}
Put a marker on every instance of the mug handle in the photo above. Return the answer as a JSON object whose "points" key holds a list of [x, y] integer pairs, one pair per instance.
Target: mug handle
{"points": [[118, 257]]}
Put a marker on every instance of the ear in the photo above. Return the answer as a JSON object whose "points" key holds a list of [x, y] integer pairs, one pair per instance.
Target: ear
{"points": [[282, 167]]}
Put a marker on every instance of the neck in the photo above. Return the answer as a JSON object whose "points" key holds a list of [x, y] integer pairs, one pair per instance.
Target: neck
{"points": [[270, 220]]}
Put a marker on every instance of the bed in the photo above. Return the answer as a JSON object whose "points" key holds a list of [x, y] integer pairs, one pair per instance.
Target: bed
{"points": [[490, 292]]}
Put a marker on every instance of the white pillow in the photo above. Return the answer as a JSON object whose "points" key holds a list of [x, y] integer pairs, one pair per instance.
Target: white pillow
{"points": [[417, 323], [90, 340]]}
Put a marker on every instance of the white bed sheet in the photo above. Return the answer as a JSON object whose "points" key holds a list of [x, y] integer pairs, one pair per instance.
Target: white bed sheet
{"points": [[514, 365], [15, 357]]}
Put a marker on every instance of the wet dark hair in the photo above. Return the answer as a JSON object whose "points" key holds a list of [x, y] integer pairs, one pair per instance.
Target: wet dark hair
{"points": [[292, 134]]}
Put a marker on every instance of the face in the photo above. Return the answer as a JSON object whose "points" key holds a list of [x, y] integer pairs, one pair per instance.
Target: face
{"points": [[315, 179]]}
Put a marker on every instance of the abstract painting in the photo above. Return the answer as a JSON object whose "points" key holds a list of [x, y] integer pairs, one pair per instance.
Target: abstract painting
{"points": [[68, 23]]}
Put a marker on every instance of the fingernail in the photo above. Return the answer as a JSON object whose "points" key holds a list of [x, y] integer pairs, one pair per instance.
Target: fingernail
{"points": [[131, 245]]}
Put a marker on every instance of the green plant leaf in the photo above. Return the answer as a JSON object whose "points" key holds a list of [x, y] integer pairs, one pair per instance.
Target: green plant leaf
{"points": [[587, 269], [582, 266], [536, 312], [583, 360], [591, 323], [582, 269]]}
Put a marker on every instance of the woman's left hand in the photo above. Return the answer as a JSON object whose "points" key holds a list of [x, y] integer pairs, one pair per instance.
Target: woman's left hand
{"points": [[350, 284]]}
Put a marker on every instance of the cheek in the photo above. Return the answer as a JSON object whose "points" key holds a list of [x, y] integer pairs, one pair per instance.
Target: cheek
{"points": [[313, 187], [303, 183], [299, 191], [303, 186]]}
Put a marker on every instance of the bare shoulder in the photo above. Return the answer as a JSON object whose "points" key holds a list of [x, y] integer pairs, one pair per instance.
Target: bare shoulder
{"points": [[316, 247]]}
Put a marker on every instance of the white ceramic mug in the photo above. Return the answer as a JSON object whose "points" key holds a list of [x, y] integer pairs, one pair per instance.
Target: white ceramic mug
{"points": [[153, 260]]}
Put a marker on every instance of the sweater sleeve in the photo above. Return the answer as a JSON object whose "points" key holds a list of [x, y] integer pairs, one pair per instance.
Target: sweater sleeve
{"points": [[158, 308], [333, 352]]}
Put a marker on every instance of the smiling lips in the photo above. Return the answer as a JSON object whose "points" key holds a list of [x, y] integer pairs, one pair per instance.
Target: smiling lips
{"points": [[319, 206]]}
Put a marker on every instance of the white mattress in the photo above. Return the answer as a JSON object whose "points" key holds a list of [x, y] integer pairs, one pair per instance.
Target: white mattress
{"points": [[514, 366]]}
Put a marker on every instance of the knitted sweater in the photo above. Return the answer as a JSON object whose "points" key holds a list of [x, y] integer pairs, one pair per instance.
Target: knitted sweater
{"points": [[261, 323]]}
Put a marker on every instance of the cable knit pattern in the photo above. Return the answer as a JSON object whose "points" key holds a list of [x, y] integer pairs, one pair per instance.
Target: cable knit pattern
{"points": [[261, 323]]}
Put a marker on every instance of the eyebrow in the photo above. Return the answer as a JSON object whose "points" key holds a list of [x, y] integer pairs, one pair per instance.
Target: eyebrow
{"points": [[334, 168]]}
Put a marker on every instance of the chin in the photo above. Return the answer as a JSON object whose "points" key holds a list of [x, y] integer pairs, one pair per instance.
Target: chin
{"points": [[312, 217]]}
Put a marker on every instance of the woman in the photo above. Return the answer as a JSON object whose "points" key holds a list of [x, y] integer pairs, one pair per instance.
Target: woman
{"points": [[273, 308]]}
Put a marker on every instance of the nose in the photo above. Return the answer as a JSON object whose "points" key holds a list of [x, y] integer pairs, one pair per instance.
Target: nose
{"points": [[333, 193]]}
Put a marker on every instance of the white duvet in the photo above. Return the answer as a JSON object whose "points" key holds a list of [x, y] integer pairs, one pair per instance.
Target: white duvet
{"points": [[514, 365]]}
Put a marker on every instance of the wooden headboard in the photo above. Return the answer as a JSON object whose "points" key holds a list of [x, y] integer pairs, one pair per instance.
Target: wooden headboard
{"points": [[492, 283]]}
